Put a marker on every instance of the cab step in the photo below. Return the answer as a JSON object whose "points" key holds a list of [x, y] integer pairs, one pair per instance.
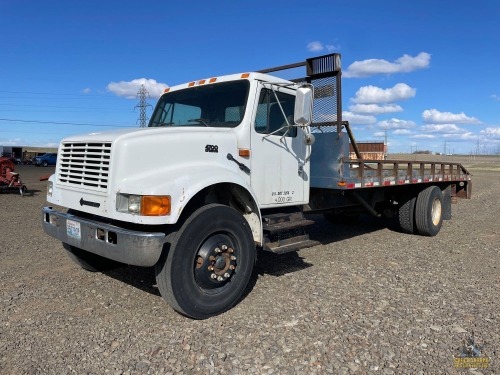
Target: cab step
{"points": [[280, 222], [285, 232], [290, 244]]}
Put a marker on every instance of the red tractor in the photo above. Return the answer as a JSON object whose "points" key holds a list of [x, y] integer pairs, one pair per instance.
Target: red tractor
{"points": [[9, 179]]}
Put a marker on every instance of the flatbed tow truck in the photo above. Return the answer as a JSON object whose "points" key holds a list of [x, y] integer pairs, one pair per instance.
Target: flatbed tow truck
{"points": [[229, 165]]}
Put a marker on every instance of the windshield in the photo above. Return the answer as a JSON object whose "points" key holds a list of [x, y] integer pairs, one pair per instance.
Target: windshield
{"points": [[215, 105]]}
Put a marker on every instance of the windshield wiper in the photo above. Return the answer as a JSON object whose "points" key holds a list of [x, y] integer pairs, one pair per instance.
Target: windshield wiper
{"points": [[203, 121]]}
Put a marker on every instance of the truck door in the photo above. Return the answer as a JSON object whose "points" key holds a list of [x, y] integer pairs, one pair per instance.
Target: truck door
{"points": [[279, 172]]}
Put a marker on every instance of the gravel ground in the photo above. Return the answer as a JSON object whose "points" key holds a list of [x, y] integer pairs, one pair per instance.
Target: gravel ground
{"points": [[368, 300]]}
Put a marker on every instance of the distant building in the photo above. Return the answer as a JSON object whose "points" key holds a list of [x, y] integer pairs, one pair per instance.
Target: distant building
{"points": [[24, 152], [11, 151], [369, 150]]}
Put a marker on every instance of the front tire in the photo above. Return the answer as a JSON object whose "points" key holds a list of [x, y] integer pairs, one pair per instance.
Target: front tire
{"points": [[45, 163], [209, 263]]}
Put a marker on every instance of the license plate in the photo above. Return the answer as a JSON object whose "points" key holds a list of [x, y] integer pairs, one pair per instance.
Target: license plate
{"points": [[73, 229]]}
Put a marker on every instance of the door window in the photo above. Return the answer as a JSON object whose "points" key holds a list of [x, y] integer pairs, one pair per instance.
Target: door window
{"points": [[270, 118]]}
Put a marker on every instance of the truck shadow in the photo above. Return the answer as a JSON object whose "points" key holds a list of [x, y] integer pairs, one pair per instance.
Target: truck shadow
{"points": [[328, 233], [268, 263], [142, 278]]}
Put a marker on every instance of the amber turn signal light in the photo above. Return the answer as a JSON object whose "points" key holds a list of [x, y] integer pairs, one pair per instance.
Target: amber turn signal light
{"points": [[155, 205], [244, 152]]}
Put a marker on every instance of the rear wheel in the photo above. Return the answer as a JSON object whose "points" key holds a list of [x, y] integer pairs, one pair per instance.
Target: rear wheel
{"points": [[209, 263], [89, 261], [429, 211], [406, 216]]}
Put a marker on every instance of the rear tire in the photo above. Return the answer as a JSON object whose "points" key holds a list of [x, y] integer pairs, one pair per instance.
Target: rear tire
{"points": [[429, 211], [406, 216], [209, 263], [89, 261]]}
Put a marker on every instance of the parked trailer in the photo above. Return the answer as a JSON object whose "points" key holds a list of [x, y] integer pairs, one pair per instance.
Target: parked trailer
{"points": [[227, 165]]}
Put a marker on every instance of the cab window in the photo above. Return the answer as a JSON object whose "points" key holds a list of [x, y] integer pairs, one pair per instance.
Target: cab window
{"points": [[270, 118]]}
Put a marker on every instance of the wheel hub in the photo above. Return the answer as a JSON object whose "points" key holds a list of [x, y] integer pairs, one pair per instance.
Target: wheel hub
{"points": [[215, 262], [436, 211]]}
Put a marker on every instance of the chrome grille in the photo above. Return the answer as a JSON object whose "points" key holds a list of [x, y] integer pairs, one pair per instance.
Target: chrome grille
{"points": [[85, 164]]}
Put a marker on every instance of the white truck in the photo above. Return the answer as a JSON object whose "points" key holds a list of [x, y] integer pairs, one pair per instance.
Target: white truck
{"points": [[229, 165]]}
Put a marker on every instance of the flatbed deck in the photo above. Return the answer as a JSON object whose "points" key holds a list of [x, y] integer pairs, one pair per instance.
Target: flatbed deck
{"points": [[372, 173]]}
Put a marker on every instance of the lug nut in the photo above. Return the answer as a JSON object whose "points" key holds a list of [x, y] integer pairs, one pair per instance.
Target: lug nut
{"points": [[224, 247], [210, 268], [231, 267], [231, 251], [217, 250], [213, 276], [226, 275], [233, 257], [220, 278]]}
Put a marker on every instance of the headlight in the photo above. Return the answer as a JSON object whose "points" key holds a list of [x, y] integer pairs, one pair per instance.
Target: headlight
{"points": [[134, 204], [50, 187], [145, 205]]}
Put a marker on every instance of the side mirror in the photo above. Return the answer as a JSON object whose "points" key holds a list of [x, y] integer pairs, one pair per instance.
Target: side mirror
{"points": [[302, 114]]}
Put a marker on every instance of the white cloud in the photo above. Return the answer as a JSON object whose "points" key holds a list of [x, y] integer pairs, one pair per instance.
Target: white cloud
{"points": [[495, 96], [317, 46], [87, 90], [443, 129], [355, 119], [467, 136], [404, 64], [436, 117], [130, 89], [379, 134], [11, 142], [375, 109], [395, 123], [402, 132], [422, 136], [491, 133], [372, 94]]}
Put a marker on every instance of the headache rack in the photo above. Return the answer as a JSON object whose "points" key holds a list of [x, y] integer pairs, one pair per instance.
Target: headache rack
{"points": [[324, 73]]}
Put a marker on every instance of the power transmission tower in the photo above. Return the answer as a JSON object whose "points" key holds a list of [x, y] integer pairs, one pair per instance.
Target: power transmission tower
{"points": [[143, 104]]}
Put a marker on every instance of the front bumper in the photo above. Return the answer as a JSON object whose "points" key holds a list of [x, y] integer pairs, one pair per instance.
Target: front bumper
{"points": [[123, 245]]}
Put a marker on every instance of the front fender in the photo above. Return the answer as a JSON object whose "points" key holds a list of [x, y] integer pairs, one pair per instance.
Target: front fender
{"points": [[182, 182]]}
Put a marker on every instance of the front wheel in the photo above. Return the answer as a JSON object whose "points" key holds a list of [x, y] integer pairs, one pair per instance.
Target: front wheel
{"points": [[209, 263], [45, 163]]}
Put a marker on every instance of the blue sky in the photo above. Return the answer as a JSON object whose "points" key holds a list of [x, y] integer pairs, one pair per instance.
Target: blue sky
{"points": [[425, 73]]}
